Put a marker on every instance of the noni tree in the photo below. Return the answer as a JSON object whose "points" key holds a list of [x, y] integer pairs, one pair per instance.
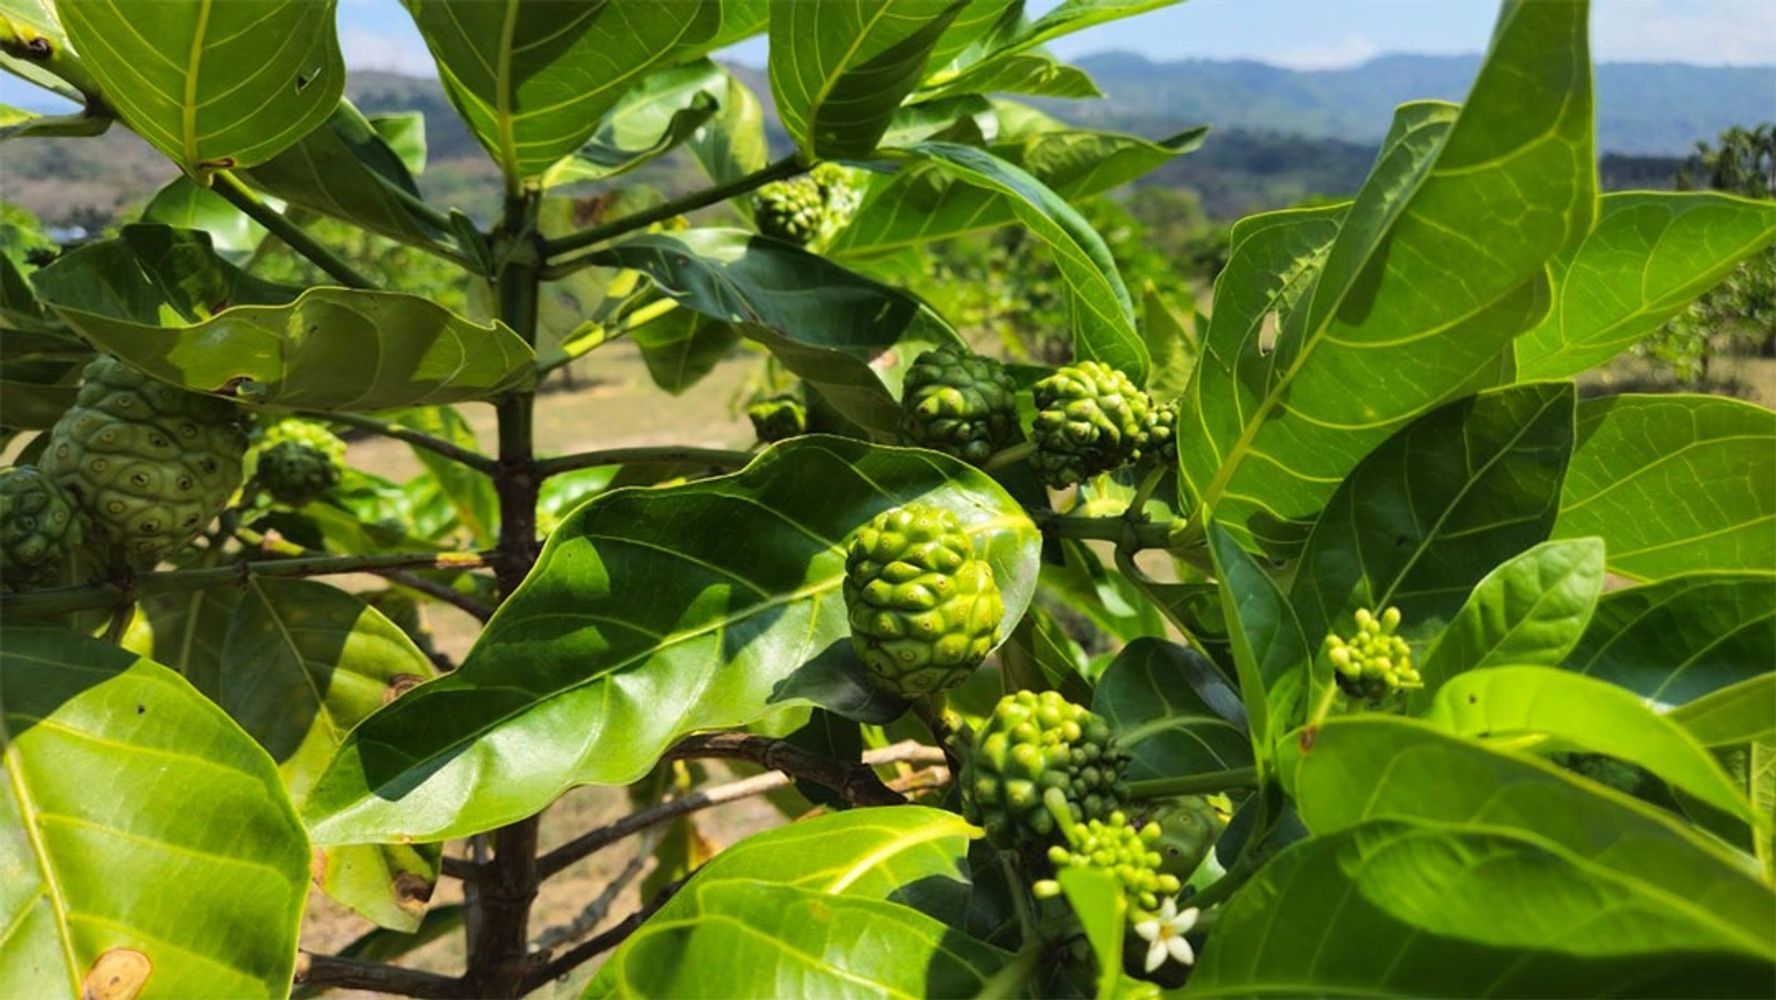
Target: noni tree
{"points": [[1414, 672]]}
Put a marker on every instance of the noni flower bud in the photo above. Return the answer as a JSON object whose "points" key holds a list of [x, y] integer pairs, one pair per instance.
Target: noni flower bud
{"points": [[1122, 849], [1374, 662]]}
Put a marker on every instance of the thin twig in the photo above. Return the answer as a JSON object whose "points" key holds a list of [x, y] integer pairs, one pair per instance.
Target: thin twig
{"points": [[717, 458], [591, 948], [108, 593], [555, 248], [242, 197], [332, 971], [594, 912], [909, 752], [418, 439], [433, 588]]}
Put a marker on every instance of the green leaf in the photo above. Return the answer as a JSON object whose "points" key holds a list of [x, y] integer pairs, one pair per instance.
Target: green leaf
{"points": [[1151, 695], [470, 491], [533, 77], [1270, 651], [405, 133], [839, 71], [744, 938], [992, 70], [651, 613], [1574, 711], [1531, 610], [1436, 266], [1677, 640], [1361, 768], [184, 204], [683, 346], [732, 144], [1732, 716], [160, 299], [1103, 317], [26, 20], [1674, 484], [1425, 516], [1170, 343], [348, 171], [144, 834], [1035, 73], [661, 111], [1097, 900], [1417, 910], [852, 337], [1650, 255], [922, 203], [213, 85]]}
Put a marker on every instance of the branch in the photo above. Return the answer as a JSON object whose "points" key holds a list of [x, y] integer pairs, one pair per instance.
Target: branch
{"points": [[835, 774], [720, 458], [110, 593], [594, 912], [240, 196], [432, 588], [593, 947], [1124, 532], [418, 439], [555, 248], [332, 971]]}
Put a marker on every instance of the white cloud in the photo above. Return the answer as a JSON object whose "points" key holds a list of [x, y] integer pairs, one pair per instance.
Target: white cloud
{"points": [[394, 52], [1351, 50], [1710, 32]]}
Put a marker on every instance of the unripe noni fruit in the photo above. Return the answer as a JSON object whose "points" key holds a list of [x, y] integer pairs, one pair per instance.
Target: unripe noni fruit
{"points": [[793, 210], [779, 417], [1375, 662], [1090, 419], [297, 460], [39, 524], [1034, 742], [959, 403], [1188, 827], [149, 463], [1159, 443], [1124, 850], [924, 610]]}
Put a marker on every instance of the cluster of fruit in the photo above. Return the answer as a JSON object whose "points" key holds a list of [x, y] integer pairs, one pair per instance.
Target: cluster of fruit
{"points": [[809, 209], [136, 468]]}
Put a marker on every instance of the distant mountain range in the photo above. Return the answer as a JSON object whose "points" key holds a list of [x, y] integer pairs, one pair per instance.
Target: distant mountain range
{"points": [[1642, 108]]}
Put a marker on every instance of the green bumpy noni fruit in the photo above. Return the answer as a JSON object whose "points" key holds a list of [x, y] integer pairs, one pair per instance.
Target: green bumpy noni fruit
{"points": [[150, 464], [1090, 418], [924, 610], [1124, 850], [1375, 662], [806, 209], [778, 417], [1188, 827], [1035, 742], [297, 461], [959, 403], [1159, 442], [39, 524]]}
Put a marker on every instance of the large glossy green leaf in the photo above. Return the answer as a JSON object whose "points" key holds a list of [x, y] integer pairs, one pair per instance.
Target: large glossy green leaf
{"points": [[1649, 256], [658, 113], [852, 337], [185, 204], [1270, 651], [347, 170], [682, 346], [750, 939], [160, 299], [1674, 641], [921, 203], [211, 84], [533, 77], [1732, 716], [1436, 266], [1102, 314], [144, 835], [839, 70], [651, 613], [1425, 516], [1035, 73], [732, 144], [1674, 484], [1572, 710], [1529, 611], [1360, 768], [1149, 695], [1418, 910]]}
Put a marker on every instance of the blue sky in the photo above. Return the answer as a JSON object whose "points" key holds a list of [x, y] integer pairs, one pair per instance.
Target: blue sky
{"points": [[1298, 33]]}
